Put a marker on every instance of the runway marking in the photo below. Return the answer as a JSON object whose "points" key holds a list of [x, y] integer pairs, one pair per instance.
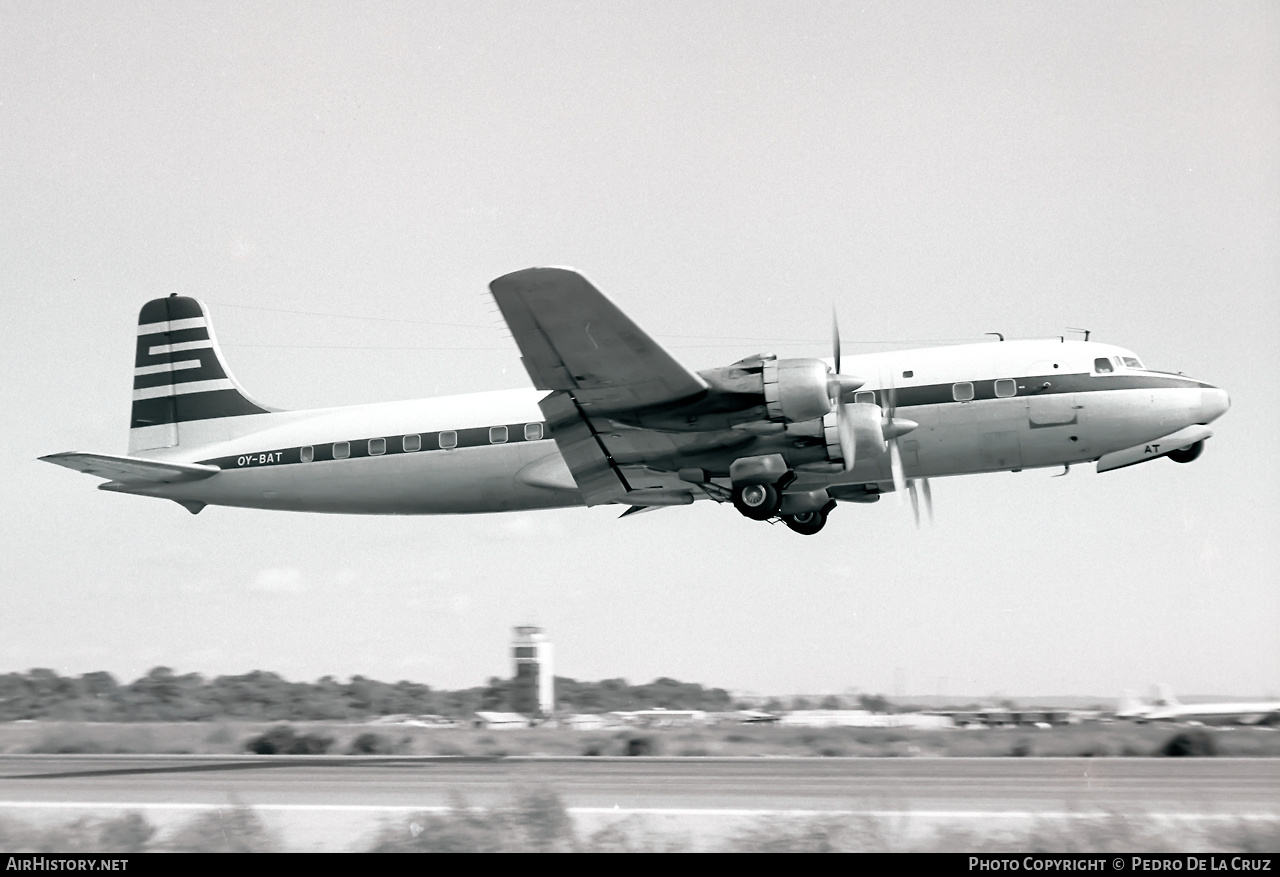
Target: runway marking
{"points": [[631, 811]]}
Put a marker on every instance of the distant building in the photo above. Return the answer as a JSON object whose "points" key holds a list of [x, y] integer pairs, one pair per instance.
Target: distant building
{"points": [[588, 722], [864, 719], [660, 718], [492, 721], [533, 688]]}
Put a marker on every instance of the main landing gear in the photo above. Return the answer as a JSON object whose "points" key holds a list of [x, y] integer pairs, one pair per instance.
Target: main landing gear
{"points": [[758, 490], [759, 502], [762, 502], [807, 523]]}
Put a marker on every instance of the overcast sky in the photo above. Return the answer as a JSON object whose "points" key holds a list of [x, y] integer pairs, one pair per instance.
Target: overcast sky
{"points": [[725, 172]]}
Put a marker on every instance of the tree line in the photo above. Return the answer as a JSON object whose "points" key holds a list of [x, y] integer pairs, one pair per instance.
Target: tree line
{"points": [[163, 695]]}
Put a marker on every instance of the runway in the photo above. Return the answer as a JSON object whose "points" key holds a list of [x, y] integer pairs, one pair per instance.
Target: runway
{"points": [[312, 798]]}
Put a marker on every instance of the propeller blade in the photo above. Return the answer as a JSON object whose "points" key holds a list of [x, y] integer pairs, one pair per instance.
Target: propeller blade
{"points": [[848, 440], [889, 403], [928, 498], [835, 338], [915, 501], [895, 466]]}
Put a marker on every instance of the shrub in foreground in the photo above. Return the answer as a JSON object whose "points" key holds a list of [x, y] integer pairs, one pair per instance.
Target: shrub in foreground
{"points": [[236, 830], [536, 822], [1196, 742], [282, 740], [130, 833]]}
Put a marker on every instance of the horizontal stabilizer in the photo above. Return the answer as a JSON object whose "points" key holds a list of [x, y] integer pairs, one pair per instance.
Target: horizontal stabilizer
{"points": [[132, 470]]}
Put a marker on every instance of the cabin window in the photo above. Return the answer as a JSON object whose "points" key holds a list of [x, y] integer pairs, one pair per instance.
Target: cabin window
{"points": [[1131, 361], [448, 439], [411, 443], [866, 396], [497, 435], [962, 391], [532, 432], [341, 450], [908, 374], [307, 454], [1006, 387], [1103, 366], [377, 447]]}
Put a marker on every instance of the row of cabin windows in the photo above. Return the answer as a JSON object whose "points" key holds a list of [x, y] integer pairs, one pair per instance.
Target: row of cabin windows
{"points": [[413, 442], [961, 391]]}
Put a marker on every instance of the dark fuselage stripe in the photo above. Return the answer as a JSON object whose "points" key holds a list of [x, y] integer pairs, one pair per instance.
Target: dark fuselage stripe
{"points": [[474, 437], [907, 397], [1036, 385]]}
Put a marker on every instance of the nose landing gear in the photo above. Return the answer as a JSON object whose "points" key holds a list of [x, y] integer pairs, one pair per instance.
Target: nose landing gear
{"points": [[1187, 454]]}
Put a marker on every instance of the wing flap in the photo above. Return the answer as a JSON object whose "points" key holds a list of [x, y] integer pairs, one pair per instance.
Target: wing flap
{"points": [[132, 470], [572, 338], [597, 478]]}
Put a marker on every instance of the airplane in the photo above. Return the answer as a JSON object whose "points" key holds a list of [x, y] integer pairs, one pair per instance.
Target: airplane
{"points": [[613, 418], [1164, 706]]}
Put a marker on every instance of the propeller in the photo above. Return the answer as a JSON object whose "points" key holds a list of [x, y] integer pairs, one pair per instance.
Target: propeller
{"points": [[894, 428], [891, 428], [891, 433], [839, 386], [920, 487]]}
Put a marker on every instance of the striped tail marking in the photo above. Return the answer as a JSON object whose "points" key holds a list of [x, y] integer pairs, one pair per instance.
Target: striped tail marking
{"points": [[179, 374]]}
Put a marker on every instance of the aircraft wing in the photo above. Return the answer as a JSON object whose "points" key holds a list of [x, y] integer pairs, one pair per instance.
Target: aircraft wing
{"points": [[573, 338], [132, 470], [577, 343]]}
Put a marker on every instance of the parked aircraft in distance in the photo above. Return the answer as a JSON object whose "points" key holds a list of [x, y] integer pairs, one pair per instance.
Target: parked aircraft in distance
{"points": [[614, 418], [1164, 706]]}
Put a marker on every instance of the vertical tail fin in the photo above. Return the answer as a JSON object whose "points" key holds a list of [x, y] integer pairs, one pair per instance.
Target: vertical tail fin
{"points": [[1130, 706], [181, 383]]}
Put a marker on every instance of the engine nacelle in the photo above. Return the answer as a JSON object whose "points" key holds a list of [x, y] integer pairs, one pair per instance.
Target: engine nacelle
{"points": [[796, 390]]}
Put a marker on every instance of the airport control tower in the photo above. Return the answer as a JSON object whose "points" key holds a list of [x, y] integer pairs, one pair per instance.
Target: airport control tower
{"points": [[533, 689]]}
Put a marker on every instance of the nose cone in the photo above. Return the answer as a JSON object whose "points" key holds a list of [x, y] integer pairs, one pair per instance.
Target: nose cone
{"points": [[1213, 404]]}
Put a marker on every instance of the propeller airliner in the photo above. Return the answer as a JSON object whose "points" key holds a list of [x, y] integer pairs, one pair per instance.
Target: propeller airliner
{"points": [[1164, 706], [613, 418]]}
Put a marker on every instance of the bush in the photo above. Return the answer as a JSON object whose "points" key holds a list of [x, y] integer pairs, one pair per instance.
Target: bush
{"points": [[236, 830], [1190, 743], [369, 743], [130, 833], [535, 822], [642, 746], [282, 740]]}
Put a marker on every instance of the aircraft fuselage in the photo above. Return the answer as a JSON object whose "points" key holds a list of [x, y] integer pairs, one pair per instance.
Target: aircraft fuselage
{"points": [[978, 408]]}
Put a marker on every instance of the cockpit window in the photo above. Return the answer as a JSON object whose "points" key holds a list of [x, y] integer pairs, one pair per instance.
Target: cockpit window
{"points": [[1131, 361], [1103, 366]]}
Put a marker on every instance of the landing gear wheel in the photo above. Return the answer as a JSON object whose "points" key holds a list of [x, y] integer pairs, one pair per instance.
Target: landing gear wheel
{"points": [[759, 502], [1186, 455], [806, 523]]}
